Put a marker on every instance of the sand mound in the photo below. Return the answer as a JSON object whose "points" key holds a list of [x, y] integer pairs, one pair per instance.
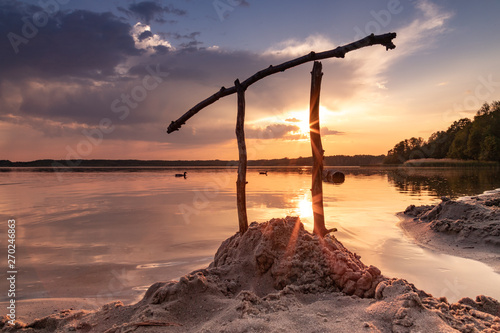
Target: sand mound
{"points": [[278, 277], [280, 254], [473, 221]]}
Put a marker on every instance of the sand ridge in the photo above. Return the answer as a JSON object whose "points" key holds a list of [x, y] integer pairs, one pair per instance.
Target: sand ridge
{"points": [[467, 227]]}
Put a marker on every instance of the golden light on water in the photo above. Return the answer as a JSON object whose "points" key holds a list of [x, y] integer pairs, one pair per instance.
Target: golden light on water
{"points": [[305, 207]]}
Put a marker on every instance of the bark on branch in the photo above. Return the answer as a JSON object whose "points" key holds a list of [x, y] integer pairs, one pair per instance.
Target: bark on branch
{"points": [[339, 52], [317, 152]]}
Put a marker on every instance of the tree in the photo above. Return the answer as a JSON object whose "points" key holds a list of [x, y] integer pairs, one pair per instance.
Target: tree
{"points": [[438, 144], [405, 150], [459, 145], [478, 139], [490, 149]]}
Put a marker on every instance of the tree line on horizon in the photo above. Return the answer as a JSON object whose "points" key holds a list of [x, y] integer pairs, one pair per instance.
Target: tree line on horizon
{"points": [[477, 139], [335, 160]]}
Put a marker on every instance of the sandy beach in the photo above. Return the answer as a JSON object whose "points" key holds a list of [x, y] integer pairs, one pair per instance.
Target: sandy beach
{"points": [[278, 277], [468, 227]]}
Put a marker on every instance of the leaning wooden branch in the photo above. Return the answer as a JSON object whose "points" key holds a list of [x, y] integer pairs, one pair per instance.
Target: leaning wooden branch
{"points": [[339, 52]]}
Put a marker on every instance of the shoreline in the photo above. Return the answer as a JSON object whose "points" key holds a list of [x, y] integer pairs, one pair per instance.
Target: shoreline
{"points": [[468, 227], [28, 310], [421, 235]]}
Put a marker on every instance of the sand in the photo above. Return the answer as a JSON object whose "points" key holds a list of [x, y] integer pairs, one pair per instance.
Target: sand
{"points": [[278, 277], [468, 227]]}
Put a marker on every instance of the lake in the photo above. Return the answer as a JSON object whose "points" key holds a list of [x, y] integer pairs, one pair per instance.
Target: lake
{"points": [[110, 233]]}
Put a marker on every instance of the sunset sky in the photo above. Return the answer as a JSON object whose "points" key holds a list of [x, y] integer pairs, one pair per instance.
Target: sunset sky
{"points": [[103, 79]]}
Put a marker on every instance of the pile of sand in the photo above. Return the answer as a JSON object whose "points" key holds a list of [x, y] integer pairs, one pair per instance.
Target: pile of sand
{"points": [[278, 277]]}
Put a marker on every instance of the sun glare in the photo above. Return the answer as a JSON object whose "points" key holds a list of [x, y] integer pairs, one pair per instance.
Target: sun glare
{"points": [[305, 207], [301, 119]]}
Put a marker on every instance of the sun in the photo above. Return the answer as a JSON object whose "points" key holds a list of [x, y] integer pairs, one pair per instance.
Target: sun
{"points": [[299, 119]]}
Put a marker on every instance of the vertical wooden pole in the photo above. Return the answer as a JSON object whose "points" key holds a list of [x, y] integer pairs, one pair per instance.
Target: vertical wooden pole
{"points": [[242, 164], [317, 152]]}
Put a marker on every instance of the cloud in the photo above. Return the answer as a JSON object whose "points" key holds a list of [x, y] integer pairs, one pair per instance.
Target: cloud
{"points": [[189, 41], [274, 131], [295, 47], [325, 131], [59, 49], [146, 40], [423, 31], [148, 11], [426, 24], [293, 120], [145, 35]]}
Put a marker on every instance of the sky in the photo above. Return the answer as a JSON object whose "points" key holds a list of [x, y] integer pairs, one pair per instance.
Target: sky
{"points": [[103, 79]]}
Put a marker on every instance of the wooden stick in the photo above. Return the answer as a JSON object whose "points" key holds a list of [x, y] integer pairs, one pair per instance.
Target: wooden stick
{"points": [[339, 52], [242, 163], [317, 152]]}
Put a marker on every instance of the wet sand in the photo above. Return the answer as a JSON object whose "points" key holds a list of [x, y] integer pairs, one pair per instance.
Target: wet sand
{"points": [[468, 227], [31, 309]]}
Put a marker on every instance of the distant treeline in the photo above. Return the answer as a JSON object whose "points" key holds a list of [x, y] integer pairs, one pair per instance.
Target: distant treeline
{"points": [[465, 139], [340, 160]]}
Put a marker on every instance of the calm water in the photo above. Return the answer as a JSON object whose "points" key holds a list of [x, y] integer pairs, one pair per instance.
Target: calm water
{"points": [[111, 234]]}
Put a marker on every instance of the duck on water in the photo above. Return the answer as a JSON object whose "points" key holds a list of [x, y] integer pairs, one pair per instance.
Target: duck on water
{"points": [[181, 174]]}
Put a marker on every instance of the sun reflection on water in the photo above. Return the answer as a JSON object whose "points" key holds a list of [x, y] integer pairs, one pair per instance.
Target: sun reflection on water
{"points": [[302, 204]]}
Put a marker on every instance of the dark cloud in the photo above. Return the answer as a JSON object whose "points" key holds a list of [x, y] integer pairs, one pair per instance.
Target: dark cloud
{"points": [[148, 11], [178, 36], [189, 42], [145, 35], [160, 49], [192, 45], [78, 43]]}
